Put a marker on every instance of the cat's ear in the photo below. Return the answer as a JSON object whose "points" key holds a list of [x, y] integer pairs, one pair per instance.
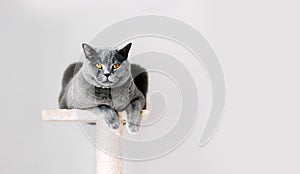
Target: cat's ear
{"points": [[88, 51], [124, 51]]}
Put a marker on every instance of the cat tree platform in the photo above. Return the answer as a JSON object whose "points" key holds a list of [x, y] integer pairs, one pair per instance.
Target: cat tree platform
{"points": [[105, 163]]}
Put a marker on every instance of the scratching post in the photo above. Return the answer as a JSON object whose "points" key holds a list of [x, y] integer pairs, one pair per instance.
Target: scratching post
{"points": [[105, 163], [105, 136]]}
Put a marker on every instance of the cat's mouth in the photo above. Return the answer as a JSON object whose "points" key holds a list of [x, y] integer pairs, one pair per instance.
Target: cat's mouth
{"points": [[107, 81]]}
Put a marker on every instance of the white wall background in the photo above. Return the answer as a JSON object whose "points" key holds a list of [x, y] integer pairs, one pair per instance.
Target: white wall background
{"points": [[256, 42]]}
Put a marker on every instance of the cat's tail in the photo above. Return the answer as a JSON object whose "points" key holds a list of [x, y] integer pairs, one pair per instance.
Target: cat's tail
{"points": [[140, 78]]}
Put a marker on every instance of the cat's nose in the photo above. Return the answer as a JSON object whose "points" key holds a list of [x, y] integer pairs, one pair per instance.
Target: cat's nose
{"points": [[107, 74]]}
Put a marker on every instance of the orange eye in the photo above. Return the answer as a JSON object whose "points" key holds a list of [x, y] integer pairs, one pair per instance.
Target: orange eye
{"points": [[115, 66], [98, 65]]}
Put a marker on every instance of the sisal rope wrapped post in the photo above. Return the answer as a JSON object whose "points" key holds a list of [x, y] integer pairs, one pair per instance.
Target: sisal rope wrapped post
{"points": [[105, 163]]}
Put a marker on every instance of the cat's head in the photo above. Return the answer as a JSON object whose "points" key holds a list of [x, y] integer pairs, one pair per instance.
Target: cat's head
{"points": [[106, 68]]}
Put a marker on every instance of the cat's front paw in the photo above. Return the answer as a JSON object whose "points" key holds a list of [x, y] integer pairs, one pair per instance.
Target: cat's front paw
{"points": [[133, 123], [133, 128], [112, 121], [110, 116]]}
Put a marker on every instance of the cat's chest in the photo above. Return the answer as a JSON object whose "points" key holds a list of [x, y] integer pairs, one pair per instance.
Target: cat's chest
{"points": [[115, 98]]}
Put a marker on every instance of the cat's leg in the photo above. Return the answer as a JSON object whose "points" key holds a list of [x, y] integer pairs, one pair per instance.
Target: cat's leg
{"points": [[133, 112], [110, 116]]}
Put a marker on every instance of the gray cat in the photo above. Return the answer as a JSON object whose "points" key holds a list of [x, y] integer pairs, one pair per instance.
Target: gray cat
{"points": [[105, 82]]}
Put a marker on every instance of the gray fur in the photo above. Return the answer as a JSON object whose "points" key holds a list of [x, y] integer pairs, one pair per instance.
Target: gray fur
{"points": [[86, 87]]}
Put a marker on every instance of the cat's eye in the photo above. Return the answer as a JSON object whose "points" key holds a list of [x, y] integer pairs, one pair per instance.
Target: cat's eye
{"points": [[115, 66], [98, 65]]}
